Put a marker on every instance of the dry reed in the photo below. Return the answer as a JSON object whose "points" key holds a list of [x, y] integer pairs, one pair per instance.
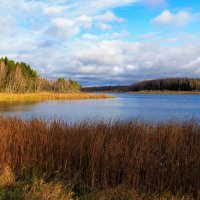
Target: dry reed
{"points": [[49, 96], [143, 156]]}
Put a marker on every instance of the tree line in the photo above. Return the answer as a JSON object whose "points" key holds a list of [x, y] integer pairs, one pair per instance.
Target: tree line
{"points": [[173, 84], [20, 77], [176, 84], [116, 88]]}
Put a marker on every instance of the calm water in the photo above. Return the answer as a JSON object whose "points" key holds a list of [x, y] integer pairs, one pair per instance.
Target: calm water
{"points": [[150, 107]]}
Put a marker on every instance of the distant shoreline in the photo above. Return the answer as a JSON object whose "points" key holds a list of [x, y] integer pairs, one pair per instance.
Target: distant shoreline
{"points": [[164, 92], [156, 86], [40, 96], [150, 92]]}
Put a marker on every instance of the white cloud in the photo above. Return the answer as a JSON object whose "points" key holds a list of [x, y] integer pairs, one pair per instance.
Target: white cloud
{"points": [[168, 18], [63, 28], [116, 35], [8, 26], [192, 65], [148, 36], [54, 10], [103, 26], [84, 21], [109, 17], [88, 36], [105, 36]]}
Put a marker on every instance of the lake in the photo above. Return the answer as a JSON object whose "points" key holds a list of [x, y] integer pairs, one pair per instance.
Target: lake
{"points": [[148, 107]]}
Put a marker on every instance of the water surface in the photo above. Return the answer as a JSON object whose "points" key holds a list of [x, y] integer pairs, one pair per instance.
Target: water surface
{"points": [[150, 107]]}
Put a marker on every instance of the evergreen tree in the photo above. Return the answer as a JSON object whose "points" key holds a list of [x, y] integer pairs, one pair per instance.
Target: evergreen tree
{"points": [[20, 77]]}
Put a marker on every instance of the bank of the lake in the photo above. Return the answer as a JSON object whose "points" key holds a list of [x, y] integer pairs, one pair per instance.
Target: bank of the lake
{"points": [[50, 96], [148, 92], [164, 92]]}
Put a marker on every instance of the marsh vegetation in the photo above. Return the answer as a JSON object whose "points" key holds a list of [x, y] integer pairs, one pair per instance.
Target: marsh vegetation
{"points": [[39, 96], [101, 158]]}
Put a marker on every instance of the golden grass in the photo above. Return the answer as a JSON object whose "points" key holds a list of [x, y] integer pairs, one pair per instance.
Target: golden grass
{"points": [[7, 177], [46, 191], [31, 190], [123, 193], [164, 92], [50, 96]]}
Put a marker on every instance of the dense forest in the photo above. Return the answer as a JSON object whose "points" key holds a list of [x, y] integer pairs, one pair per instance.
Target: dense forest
{"points": [[117, 88], [175, 84], [171, 84], [20, 77]]}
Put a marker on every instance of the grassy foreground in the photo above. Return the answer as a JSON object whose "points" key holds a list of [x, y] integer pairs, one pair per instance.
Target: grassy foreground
{"points": [[99, 160], [49, 96]]}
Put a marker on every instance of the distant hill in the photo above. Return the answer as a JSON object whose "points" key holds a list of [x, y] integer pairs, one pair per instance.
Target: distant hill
{"points": [[171, 84], [20, 77]]}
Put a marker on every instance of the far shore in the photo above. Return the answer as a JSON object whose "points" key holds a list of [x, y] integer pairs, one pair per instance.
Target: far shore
{"points": [[164, 92], [149, 92], [39, 96]]}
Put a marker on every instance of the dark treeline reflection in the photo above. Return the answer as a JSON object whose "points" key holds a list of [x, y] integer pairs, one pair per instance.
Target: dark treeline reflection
{"points": [[16, 106]]}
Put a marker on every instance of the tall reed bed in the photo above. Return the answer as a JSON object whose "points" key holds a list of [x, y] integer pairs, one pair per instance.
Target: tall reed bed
{"points": [[39, 96], [142, 156]]}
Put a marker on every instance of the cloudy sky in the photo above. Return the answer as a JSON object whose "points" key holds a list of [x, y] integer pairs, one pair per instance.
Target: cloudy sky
{"points": [[103, 41]]}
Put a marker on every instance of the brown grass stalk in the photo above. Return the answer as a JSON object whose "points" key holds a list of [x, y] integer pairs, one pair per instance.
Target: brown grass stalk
{"points": [[143, 156]]}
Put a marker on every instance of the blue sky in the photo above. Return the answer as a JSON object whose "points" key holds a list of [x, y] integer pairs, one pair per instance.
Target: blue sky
{"points": [[103, 42]]}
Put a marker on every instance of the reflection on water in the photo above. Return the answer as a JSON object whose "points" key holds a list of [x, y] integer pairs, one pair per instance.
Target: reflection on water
{"points": [[16, 106], [151, 107]]}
